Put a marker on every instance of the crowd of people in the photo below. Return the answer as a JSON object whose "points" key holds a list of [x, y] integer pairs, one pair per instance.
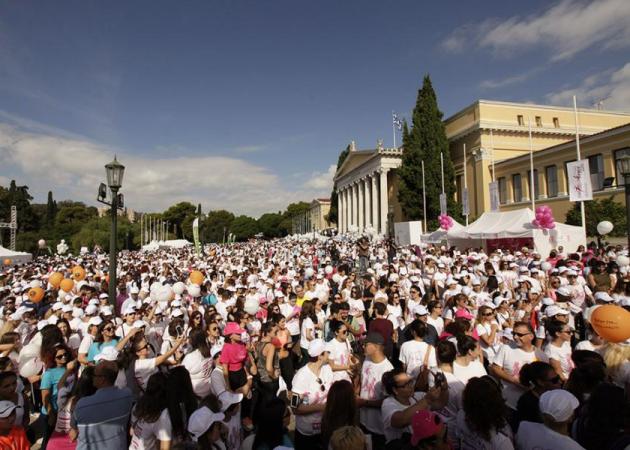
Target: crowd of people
{"points": [[316, 344]]}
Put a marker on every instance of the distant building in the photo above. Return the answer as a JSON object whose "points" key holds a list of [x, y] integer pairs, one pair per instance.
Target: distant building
{"points": [[313, 219], [130, 214]]}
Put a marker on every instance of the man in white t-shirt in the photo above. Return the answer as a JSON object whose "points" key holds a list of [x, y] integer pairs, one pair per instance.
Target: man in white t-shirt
{"points": [[557, 408], [372, 392], [414, 353]]}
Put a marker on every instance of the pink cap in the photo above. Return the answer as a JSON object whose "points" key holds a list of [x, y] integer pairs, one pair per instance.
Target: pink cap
{"points": [[424, 424], [232, 328]]}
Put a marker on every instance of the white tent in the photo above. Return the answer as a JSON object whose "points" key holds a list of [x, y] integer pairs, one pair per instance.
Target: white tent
{"points": [[518, 224], [15, 257], [440, 235], [172, 243]]}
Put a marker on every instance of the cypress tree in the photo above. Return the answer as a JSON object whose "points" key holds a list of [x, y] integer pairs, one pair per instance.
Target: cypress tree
{"points": [[50, 209], [424, 142]]}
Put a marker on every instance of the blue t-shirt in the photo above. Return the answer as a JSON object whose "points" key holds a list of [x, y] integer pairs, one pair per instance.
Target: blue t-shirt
{"points": [[97, 347], [49, 382]]}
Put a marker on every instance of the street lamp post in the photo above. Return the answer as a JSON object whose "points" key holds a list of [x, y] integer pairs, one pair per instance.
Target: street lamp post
{"points": [[624, 167], [390, 220], [115, 172]]}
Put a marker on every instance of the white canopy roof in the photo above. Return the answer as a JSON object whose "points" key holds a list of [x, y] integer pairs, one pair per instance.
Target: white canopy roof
{"points": [[15, 257], [440, 235]]}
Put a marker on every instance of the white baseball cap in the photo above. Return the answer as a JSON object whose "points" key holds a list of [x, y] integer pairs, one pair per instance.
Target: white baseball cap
{"points": [[316, 348], [95, 321], [420, 310], [201, 420], [107, 354], [559, 404], [554, 310], [228, 399], [604, 297], [6, 408]]}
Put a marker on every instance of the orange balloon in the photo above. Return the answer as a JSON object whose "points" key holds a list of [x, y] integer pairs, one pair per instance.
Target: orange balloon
{"points": [[196, 277], [66, 284], [36, 294], [7, 262], [55, 279], [78, 273], [611, 322]]}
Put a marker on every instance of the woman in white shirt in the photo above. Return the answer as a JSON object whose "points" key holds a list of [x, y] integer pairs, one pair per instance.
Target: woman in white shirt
{"points": [[467, 364], [144, 366], [488, 331], [559, 349], [199, 363], [151, 427]]}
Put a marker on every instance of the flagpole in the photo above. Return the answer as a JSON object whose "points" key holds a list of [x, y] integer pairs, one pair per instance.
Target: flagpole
{"points": [[424, 201], [394, 129], [492, 156], [442, 169], [532, 192], [465, 181], [579, 156]]}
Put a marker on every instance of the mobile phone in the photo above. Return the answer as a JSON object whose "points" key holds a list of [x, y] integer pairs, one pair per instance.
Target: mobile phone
{"points": [[295, 400], [179, 330]]}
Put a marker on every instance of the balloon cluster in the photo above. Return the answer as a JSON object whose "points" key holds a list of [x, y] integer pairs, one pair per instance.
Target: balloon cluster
{"points": [[544, 218], [445, 221]]}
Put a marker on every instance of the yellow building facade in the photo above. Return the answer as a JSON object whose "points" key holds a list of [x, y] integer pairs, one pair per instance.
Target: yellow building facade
{"points": [[550, 175], [493, 133]]}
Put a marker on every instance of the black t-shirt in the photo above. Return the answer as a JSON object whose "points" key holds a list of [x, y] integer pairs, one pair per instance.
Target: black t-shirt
{"points": [[527, 408]]}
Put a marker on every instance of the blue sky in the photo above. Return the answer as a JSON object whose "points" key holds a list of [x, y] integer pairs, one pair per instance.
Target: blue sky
{"points": [[245, 105]]}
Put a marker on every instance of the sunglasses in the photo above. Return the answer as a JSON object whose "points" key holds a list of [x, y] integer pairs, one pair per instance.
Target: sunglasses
{"points": [[521, 334], [108, 329], [214, 329], [487, 314], [143, 347], [61, 356], [321, 384], [343, 332]]}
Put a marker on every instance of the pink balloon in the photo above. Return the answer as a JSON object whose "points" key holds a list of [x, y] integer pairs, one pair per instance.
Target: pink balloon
{"points": [[536, 223], [552, 225]]}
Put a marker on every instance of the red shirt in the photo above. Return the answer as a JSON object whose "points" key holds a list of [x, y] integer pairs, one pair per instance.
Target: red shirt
{"points": [[233, 355], [15, 440]]}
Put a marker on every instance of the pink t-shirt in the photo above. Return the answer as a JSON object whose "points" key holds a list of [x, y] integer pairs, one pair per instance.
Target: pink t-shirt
{"points": [[233, 355]]}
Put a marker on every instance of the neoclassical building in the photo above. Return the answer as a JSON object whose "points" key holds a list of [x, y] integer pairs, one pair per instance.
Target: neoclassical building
{"points": [[493, 133]]}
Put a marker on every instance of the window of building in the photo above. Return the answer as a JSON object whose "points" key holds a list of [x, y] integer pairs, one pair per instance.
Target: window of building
{"points": [[520, 119], [556, 122], [459, 187], [538, 121], [551, 173], [618, 154], [529, 182], [502, 190], [517, 187], [596, 166]]}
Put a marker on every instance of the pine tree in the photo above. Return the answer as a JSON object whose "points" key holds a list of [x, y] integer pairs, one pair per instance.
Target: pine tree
{"points": [[50, 209], [424, 142]]}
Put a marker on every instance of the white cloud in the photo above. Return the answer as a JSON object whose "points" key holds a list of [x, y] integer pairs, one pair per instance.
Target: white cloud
{"points": [[565, 29], [322, 181], [611, 86], [72, 167]]}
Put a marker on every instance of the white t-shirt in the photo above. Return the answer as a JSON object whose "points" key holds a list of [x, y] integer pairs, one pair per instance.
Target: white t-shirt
{"points": [[84, 346], [511, 358], [438, 324], [412, 354], [372, 389], [489, 351], [200, 369], [143, 369], [454, 403], [307, 324], [388, 408], [310, 391], [535, 436], [293, 324], [470, 440], [217, 381], [145, 435], [561, 354], [588, 345], [472, 370], [340, 355]]}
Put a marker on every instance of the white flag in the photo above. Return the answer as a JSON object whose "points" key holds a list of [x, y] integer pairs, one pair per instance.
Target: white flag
{"points": [[494, 196], [579, 177]]}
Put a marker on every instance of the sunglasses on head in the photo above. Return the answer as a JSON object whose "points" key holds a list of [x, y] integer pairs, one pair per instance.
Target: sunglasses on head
{"points": [[321, 384]]}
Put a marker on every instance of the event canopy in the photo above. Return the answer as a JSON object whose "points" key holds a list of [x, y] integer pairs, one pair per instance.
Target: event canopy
{"points": [[15, 257], [440, 235], [500, 227], [172, 243]]}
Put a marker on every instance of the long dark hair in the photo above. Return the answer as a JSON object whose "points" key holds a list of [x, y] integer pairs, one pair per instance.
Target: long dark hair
{"points": [[270, 425], [484, 407], [84, 386], [180, 399], [341, 409], [199, 341], [151, 404], [308, 310]]}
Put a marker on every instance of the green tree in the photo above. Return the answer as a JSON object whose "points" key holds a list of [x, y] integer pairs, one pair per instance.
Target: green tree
{"points": [[425, 142], [334, 201], [269, 225], [71, 218], [50, 209], [177, 214], [597, 210], [217, 226], [244, 227], [96, 231], [292, 210]]}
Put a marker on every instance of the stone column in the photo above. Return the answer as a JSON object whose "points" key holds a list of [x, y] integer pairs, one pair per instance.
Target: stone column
{"points": [[346, 209], [384, 207], [368, 202], [339, 210], [361, 222], [374, 205]]}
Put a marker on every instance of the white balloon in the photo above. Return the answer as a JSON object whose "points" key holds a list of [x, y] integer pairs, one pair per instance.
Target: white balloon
{"points": [[31, 367], [623, 261], [251, 306], [179, 288], [36, 284], [165, 293], [328, 270], [336, 278], [155, 287], [546, 266], [308, 273], [41, 243], [604, 227], [194, 290]]}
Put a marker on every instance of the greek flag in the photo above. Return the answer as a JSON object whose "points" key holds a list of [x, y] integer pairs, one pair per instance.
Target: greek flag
{"points": [[396, 120]]}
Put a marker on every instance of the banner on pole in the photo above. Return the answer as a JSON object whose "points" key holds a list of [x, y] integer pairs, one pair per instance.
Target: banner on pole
{"points": [[465, 207], [494, 196], [579, 175], [195, 228], [443, 208]]}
